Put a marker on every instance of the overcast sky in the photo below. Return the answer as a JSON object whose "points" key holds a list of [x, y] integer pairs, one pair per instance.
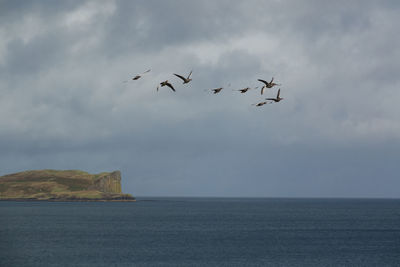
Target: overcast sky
{"points": [[63, 103]]}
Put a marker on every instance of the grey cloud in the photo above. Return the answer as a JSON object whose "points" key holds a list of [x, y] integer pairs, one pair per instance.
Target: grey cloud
{"points": [[14, 11], [155, 25], [63, 104]]}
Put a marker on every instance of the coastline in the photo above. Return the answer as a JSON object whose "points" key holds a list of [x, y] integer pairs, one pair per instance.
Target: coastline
{"points": [[67, 200]]}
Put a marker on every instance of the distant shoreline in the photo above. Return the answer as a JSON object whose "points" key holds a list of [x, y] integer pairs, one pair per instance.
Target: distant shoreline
{"points": [[67, 200], [62, 186]]}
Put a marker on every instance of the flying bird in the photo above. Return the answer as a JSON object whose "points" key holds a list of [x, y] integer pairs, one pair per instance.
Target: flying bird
{"points": [[260, 104], [140, 75], [243, 90], [267, 84], [185, 80], [216, 90], [166, 83], [278, 98]]}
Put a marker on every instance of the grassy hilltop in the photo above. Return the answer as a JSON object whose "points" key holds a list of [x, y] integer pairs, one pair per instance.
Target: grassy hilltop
{"points": [[62, 185]]}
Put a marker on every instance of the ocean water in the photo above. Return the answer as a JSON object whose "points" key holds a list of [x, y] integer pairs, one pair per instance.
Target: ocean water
{"points": [[201, 232]]}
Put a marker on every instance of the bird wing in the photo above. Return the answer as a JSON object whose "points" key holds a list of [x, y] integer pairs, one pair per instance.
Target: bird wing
{"points": [[262, 89], [177, 75], [279, 92], [270, 99], [170, 86], [190, 74], [147, 71], [272, 80], [266, 83]]}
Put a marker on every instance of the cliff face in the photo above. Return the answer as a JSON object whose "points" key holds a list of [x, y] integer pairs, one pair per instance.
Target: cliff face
{"points": [[62, 185], [108, 183]]}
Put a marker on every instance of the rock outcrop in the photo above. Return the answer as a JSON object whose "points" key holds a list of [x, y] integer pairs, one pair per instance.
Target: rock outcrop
{"points": [[108, 183], [66, 185]]}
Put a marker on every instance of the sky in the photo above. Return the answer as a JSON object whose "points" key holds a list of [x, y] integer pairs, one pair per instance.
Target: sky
{"points": [[64, 105]]}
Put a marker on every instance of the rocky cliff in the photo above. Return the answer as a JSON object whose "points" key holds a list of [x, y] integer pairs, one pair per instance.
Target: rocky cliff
{"points": [[62, 185], [108, 182]]}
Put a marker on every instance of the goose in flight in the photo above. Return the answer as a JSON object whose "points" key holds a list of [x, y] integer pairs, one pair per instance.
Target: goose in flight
{"points": [[185, 80], [166, 83], [278, 98], [140, 75], [267, 84], [260, 104], [243, 90], [216, 90]]}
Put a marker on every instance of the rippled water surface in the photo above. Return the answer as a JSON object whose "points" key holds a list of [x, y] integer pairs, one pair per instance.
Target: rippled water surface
{"points": [[201, 232]]}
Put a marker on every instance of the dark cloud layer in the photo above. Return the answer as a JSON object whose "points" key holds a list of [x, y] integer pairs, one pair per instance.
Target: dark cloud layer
{"points": [[63, 104]]}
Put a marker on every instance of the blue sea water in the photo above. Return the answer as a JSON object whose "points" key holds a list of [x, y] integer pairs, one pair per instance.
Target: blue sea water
{"points": [[201, 232]]}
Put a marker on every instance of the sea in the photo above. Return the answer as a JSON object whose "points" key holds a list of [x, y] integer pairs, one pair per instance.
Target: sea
{"points": [[201, 232]]}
